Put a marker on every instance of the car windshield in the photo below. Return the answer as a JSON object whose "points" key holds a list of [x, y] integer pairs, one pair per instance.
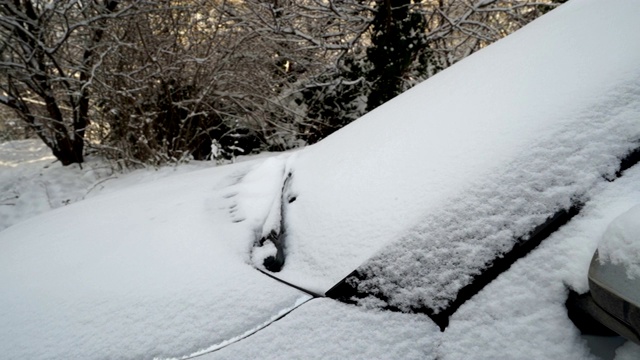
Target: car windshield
{"points": [[420, 199]]}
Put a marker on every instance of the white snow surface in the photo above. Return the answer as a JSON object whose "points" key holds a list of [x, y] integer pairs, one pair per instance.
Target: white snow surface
{"points": [[32, 182], [326, 329], [26, 189], [620, 244], [160, 269], [423, 192], [520, 315]]}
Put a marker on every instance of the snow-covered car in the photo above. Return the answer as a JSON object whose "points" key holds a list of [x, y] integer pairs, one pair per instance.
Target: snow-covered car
{"points": [[421, 203], [455, 217]]}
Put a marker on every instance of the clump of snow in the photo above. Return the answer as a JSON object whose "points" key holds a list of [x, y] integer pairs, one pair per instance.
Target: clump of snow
{"points": [[262, 252], [620, 244], [256, 198], [431, 187], [256, 195]]}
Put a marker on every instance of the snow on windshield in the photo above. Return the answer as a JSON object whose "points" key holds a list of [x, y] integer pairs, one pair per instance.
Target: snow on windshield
{"points": [[424, 192], [520, 315]]}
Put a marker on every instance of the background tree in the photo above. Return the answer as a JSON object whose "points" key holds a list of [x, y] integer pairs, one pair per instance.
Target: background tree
{"points": [[398, 46], [47, 58], [149, 82]]}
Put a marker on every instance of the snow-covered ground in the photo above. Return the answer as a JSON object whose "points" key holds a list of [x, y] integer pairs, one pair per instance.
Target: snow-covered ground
{"points": [[421, 194], [32, 182]]}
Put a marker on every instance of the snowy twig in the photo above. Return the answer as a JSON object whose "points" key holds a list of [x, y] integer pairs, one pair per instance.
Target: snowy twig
{"points": [[96, 185]]}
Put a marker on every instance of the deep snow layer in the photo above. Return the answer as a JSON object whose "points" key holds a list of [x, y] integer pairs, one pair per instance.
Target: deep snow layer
{"points": [[520, 315], [161, 269], [422, 193]]}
